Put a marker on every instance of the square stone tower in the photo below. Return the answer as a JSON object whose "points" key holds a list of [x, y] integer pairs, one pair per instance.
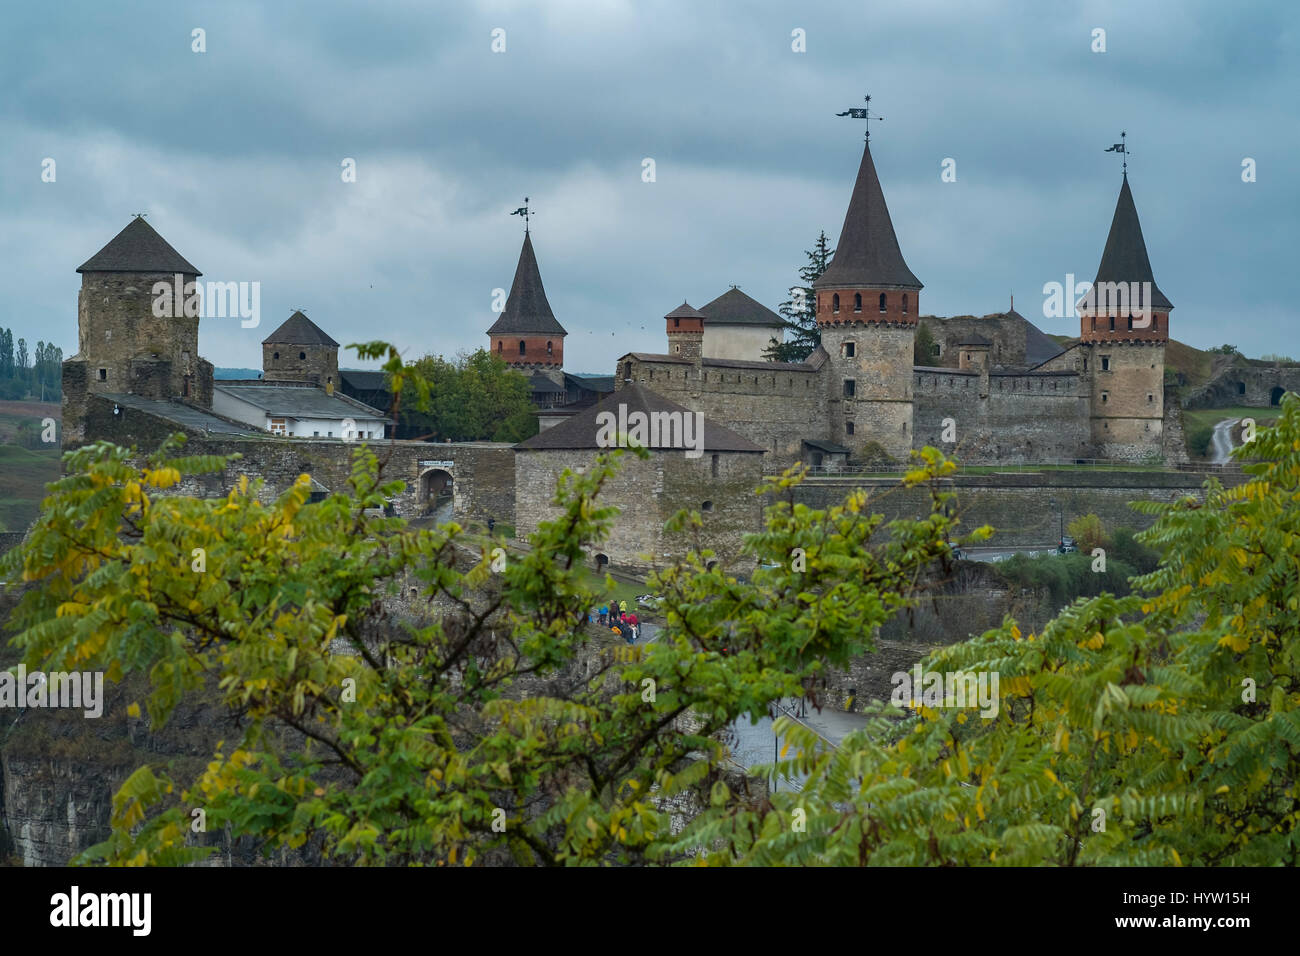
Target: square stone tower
{"points": [[137, 327]]}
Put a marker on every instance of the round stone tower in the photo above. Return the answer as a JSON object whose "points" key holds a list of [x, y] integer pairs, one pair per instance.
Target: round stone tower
{"points": [[867, 304]]}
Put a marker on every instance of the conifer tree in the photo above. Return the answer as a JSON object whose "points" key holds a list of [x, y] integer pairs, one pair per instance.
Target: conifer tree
{"points": [[800, 311]]}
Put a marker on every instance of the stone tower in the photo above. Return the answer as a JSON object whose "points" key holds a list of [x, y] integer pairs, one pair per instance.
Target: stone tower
{"points": [[685, 331], [137, 327], [1123, 332], [526, 335], [867, 303], [298, 351]]}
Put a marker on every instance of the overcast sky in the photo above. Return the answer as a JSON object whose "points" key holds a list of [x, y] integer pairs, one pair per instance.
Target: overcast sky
{"points": [[236, 153]]}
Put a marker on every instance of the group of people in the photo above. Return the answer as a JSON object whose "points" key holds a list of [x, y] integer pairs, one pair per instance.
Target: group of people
{"points": [[615, 617]]}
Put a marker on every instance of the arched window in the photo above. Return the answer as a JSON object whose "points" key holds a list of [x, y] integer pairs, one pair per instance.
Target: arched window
{"points": [[835, 302], [302, 356], [276, 356], [521, 346], [501, 347], [882, 302], [548, 348], [905, 303], [857, 302]]}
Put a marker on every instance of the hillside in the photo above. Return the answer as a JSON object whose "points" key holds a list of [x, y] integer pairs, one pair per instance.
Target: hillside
{"points": [[24, 472]]}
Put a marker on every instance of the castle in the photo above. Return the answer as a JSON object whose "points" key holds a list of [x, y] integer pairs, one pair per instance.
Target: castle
{"points": [[996, 389], [1003, 391]]}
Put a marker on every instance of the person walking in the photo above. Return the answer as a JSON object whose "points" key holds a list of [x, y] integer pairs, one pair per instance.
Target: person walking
{"points": [[604, 615], [622, 608]]}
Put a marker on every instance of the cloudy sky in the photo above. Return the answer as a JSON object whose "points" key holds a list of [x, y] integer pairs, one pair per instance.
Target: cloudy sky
{"points": [[235, 154]]}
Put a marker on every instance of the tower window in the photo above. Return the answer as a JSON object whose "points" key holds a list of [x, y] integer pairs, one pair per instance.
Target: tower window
{"points": [[548, 348], [1150, 398], [848, 428], [850, 388], [501, 347], [1130, 323], [103, 375], [835, 302], [905, 303], [857, 302], [276, 356], [1112, 323], [1105, 362], [848, 349], [706, 506], [677, 323], [713, 466], [521, 347], [302, 356], [1105, 396], [882, 302]]}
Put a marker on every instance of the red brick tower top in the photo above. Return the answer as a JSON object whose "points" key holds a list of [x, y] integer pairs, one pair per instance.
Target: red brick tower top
{"points": [[867, 280], [1124, 303], [526, 333]]}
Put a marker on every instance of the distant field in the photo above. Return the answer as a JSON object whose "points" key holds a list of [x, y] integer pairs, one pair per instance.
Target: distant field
{"points": [[24, 472]]}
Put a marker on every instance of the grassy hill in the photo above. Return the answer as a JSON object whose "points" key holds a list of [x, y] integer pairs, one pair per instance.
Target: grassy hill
{"points": [[24, 472]]}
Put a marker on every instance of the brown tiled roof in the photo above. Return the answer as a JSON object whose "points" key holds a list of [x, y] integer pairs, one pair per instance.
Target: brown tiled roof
{"points": [[733, 307], [685, 311], [527, 310], [581, 430], [867, 255], [1125, 256], [299, 330], [138, 248]]}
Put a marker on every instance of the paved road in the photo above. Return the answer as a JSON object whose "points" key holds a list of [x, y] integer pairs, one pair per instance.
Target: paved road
{"points": [[988, 555]]}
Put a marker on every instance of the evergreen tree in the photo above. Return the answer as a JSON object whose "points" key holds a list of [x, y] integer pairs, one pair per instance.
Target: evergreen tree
{"points": [[6, 353], [800, 312], [20, 371]]}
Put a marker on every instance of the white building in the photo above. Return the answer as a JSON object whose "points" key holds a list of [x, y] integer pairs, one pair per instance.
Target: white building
{"points": [[298, 411], [738, 327]]}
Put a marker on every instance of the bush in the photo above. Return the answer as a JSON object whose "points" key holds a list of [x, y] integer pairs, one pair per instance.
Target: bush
{"points": [[1066, 577], [1198, 441], [873, 453], [1125, 547], [1087, 533]]}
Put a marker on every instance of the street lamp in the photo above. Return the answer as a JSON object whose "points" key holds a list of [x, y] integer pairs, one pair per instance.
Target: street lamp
{"points": [[1061, 511]]}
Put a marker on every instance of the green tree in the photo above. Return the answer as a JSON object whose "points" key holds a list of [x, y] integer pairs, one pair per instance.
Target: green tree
{"points": [[800, 313], [6, 353], [923, 345], [1088, 533], [1162, 728], [475, 398]]}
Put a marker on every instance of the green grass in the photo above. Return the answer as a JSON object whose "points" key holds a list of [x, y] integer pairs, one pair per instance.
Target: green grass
{"points": [[24, 473], [1202, 417]]}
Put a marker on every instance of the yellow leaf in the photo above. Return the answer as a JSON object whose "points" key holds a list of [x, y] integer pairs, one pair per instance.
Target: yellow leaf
{"points": [[133, 710]]}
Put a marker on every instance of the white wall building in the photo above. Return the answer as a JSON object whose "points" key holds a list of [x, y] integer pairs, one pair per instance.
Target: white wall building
{"points": [[298, 411]]}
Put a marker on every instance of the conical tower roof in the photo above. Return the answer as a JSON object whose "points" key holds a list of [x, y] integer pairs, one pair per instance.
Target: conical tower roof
{"points": [[867, 256], [527, 310], [1125, 256], [299, 330], [138, 248]]}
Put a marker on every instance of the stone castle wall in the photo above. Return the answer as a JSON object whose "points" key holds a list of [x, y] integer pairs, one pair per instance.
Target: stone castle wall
{"points": [[777, 409], [483, 472], [1038, 417], [1018, 506], [648, 493]]}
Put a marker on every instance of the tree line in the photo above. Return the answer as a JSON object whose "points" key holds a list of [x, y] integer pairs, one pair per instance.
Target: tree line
{"points": [[38, 374]]}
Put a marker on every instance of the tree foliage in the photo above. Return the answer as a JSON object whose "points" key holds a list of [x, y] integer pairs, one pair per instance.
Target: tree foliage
{"points": [[1174, 711], [476, 397], [802, 335]]}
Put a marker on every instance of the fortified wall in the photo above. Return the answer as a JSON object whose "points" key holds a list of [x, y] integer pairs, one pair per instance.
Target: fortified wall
{"points": [[481, 473], [1019, 506], [774, 404], [1001, 417]]}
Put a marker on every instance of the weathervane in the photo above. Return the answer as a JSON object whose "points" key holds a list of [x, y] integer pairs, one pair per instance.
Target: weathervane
{"points": [[140, 215], [863, 112], [1120, 147], [525, 212]]}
